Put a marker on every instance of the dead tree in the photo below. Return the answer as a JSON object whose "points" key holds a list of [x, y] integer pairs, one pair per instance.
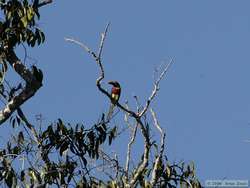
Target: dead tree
{"points": [[131, 177]]}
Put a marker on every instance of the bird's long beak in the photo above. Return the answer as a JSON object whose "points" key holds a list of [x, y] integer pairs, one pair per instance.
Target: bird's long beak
{"points": [[111, 82]]}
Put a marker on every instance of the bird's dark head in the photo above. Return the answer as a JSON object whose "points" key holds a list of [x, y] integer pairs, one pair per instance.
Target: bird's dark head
{"points": [[114, 83]]}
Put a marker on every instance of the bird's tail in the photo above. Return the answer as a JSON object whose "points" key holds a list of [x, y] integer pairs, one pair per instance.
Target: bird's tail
{"points": [[110, 112]]}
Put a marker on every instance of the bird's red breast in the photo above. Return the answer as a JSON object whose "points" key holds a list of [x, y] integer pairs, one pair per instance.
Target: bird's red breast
{"points": [[115, 93], [116, 90]]}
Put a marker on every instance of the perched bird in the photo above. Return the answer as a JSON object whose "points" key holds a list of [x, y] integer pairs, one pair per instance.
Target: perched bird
{"points": [[115, 95]]}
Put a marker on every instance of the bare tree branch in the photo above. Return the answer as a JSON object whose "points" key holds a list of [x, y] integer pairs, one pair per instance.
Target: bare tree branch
{"points": [[132, 139], [86, 48], [163, 135], [147, 145], [156, 88], [145, 160], [103, 37], [135, 115], [126, 117]]}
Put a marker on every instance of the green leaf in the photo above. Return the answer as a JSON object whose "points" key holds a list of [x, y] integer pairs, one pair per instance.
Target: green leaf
{"points": [[38, 37], [22, 175], [112, 134], [84, 161], [18, 120], [13, 122], [168, 171], [32, 175], [35, 4], [60, 121], [9, 15], [20, 13], [16, 150], [30, 13], [33, 42], [9, 178], [24, 21], [20, 138], [25, 3], [42, 36], [63, 148]]}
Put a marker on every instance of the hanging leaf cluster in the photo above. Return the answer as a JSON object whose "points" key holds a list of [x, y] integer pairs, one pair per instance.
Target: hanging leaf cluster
{"points": [[79, 141], [11, 152], [20, 23], [74, 145], [71, 142], [171, 175]]}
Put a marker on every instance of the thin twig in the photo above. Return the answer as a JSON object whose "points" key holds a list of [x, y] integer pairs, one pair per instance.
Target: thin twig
{"points": [[126, 117], [138, 105], [156, 88], [103, 37], [80, 44], [44, 3], [113, 162]]}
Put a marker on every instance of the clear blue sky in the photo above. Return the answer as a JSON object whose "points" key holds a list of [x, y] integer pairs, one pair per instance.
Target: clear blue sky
{"points": [[203, 105]]}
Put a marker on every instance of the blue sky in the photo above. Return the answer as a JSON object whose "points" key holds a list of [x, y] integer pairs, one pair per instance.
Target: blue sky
{"points": [[203, 104]]}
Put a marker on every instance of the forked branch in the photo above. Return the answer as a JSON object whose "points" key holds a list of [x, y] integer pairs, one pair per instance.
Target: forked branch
{"points": [[156, 88], [31, 87], [136, 115]]}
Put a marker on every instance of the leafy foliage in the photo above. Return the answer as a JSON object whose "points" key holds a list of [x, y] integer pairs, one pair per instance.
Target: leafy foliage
{"points": [[19, 23], [60, 152], [63, 154]]}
